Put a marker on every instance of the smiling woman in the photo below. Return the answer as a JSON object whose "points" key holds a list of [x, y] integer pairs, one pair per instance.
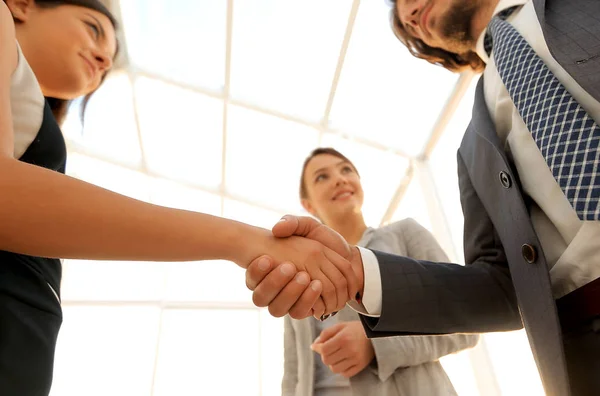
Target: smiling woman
{"points": [[86, 46], [51, 52], [348, 363]]}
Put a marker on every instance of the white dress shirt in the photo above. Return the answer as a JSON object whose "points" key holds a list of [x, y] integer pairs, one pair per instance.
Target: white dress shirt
{"points": [[571, 246]]}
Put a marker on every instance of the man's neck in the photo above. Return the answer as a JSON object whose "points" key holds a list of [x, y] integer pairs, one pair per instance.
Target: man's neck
{"points": [[351, 227], [483, 16]]}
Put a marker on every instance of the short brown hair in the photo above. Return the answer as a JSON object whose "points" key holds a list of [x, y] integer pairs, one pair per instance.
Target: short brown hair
{"points": [[313, 154], [449, 60]]}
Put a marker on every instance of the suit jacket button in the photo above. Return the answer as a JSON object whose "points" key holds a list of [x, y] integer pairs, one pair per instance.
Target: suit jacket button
{"points": [[529, 253], [505, 179]]}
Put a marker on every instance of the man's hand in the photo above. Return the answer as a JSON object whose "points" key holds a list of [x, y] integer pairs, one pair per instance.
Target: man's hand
{"points": [[284, 290], [273, 289], [308, 227], [344, 348]]}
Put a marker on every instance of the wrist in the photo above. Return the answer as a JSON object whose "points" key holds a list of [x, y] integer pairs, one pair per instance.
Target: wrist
{"points": [[357, 266], [247, 244]]}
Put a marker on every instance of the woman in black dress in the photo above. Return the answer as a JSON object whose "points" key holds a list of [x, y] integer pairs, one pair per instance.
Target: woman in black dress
{"points": [[53, 51]]}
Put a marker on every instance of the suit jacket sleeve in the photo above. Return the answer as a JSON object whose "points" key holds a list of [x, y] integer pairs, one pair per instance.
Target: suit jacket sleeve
{"points": [[392, 353], [290, 359], [425, 297]]}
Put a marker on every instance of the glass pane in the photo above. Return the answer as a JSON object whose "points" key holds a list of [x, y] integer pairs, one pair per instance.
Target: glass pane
{"points": [[460, 371], [175, 195], [181, 132], [107, 175], [381, 94], [250, 214], [380, 173], [444, 168], [514, 364], [265, 156], [112, 280], [110, 127], [285, 53], [413, 205], [106, 351], [183, 41], [209, 352], [271, 335], [207, 281]]}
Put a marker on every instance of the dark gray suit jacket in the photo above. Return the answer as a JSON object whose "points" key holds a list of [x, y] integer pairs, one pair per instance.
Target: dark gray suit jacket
{"points": [[498, 289]]}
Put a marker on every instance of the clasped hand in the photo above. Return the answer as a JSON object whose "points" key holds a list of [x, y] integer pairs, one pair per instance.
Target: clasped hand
{"points": [[320, 286]]}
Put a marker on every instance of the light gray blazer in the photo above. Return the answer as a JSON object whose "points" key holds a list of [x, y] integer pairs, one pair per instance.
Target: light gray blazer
{"points": [[402, 365]]}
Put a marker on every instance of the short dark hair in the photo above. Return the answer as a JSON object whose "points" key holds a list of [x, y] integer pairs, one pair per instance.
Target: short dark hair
{"points": [[61, 106], [449, 60], [313, 154]]}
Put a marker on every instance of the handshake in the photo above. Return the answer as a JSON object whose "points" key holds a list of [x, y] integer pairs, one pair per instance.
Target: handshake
{"points": [[308, 270]]}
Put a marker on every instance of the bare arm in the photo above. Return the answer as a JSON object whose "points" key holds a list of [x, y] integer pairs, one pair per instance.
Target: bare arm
{"points": [[44, 213]]}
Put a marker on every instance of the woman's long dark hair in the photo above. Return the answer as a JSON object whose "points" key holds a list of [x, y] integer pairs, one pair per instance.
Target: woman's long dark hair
{"points": [[61, 106]]}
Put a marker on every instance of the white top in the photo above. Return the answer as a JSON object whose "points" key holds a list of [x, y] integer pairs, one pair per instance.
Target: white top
{"points": [[570, 245], [27, 105]]}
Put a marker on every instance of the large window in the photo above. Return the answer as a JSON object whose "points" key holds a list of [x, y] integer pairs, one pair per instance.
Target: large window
{"points": [[209, 96]]}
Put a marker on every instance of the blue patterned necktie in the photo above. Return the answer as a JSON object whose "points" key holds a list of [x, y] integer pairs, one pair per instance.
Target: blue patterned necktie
{"points": [[563, 131]]}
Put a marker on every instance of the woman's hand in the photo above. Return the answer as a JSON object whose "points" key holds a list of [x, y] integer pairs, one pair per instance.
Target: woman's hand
{"points": [[344, 348], [338, 282], [276, 290]]}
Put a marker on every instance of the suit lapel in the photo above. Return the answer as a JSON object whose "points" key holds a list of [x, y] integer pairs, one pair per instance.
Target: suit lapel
{"points": [[540, 6], [484, 158]]}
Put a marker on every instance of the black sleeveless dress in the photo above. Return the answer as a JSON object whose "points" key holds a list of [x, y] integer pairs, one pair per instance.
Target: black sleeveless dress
{"points": [[30, 312]]}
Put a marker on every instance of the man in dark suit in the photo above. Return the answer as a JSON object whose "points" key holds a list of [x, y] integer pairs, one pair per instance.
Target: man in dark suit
{"points": [[529, 174]]}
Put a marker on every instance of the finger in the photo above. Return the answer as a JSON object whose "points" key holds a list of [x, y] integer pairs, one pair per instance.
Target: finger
{"points": [[285, 227], [257, 271], [266, 291], [352, 371], [333, 344], [338, 281], [290, 296], [330, 332], [342, 366], [328, 292], [303, 308], [345, 268], [331, 359], [318, 309]]}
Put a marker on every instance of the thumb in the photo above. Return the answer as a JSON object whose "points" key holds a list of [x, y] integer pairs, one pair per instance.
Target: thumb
{"points": [[294, 225]]}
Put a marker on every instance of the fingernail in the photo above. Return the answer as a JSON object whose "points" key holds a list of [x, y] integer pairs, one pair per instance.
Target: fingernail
{"points": [[263, 264], [282, 220], [324, 317], [287, 269], [302, 279], [315, 286]]}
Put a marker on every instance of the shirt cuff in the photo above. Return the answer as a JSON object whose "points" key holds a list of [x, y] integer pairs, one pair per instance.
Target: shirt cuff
{"points": [[372, 293]]}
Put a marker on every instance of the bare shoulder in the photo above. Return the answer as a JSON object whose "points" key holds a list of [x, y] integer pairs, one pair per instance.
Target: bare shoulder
{"points": [[8, 41]]}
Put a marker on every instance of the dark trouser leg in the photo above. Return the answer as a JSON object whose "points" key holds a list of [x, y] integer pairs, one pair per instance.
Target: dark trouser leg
{"points": [[28, 334], [582, 350]]}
